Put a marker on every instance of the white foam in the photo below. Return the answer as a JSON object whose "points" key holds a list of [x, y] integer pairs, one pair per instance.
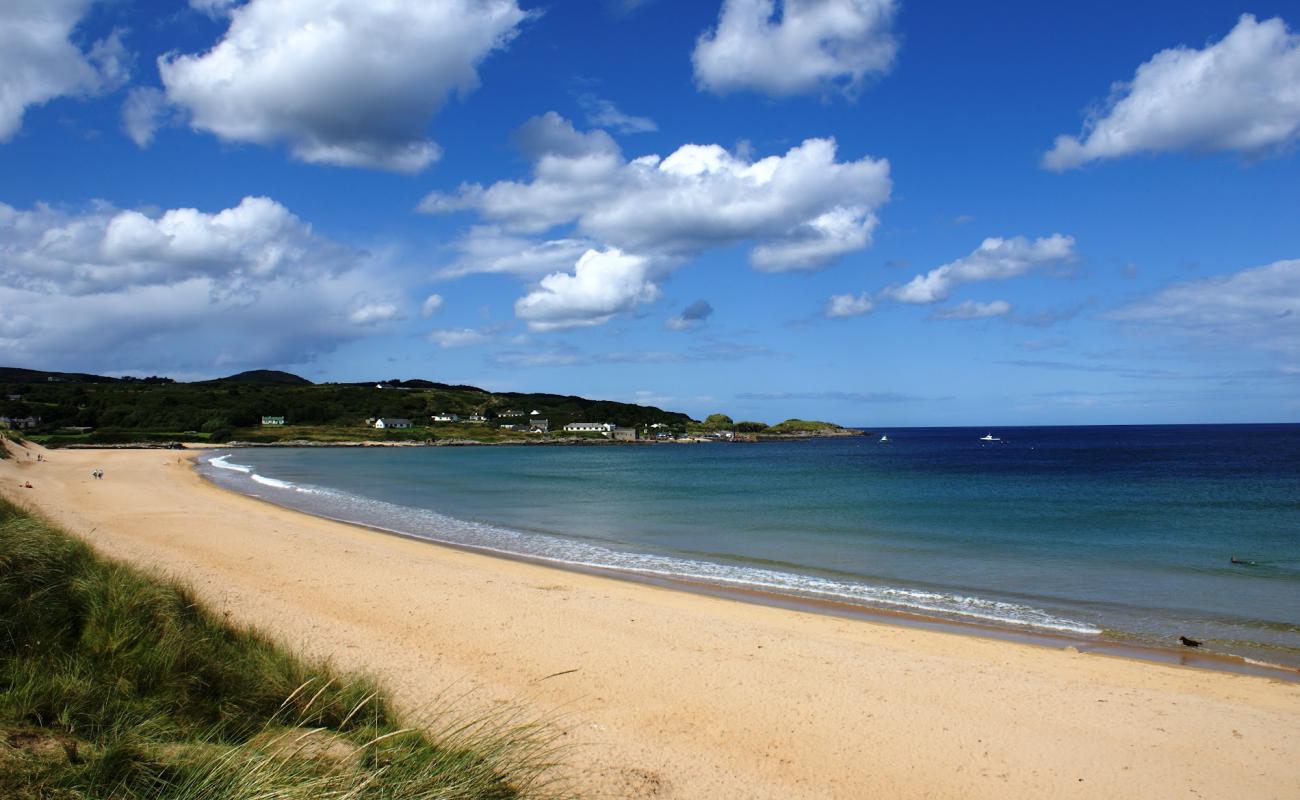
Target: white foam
{"points": [[276, 482], [222, 462]]}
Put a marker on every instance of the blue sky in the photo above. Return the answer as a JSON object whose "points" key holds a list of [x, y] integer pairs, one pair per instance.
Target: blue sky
{"points": [[880, 213]]}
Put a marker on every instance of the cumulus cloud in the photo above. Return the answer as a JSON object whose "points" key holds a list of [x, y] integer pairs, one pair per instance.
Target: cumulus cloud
{"points": [[814, 45], [488, 249], [344, 82], [1258, 307], [971, 309], [602, 113], [106, 249], [431, 305], [994, 259], [38, 62], [181, 289], [458, 337], [801, 210], [693, 316], [848, 305], [1239, 93], [603, 283]]}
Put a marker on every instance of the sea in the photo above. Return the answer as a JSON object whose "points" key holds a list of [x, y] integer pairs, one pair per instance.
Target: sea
{"points": [[1133, 535]]}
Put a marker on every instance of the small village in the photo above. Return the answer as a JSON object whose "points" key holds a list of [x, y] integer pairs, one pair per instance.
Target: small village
{"points": [[534, 424]]}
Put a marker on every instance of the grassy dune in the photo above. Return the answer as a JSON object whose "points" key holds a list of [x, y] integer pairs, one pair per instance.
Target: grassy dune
{"points": [[116, 683]]}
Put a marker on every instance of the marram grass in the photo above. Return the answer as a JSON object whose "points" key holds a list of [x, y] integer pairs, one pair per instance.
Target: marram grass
{"points": [[118, 684]]}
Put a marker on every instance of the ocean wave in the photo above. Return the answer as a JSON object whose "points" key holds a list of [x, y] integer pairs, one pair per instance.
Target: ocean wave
{"points": [[223, 462], [436, 527], [276, 482]]}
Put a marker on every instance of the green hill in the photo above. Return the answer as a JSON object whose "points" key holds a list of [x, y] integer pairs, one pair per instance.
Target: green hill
{"points": [[159, 409], [271, 376]]}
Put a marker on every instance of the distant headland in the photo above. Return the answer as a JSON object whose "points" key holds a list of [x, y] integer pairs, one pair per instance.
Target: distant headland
{"points": [[270, 407]]}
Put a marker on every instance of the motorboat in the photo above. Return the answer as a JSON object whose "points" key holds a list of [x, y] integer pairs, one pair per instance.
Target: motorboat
{"points": [[988, 437]]}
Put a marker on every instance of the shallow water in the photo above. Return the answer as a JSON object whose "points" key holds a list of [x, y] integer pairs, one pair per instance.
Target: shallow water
{"points": [[1123, 532]]}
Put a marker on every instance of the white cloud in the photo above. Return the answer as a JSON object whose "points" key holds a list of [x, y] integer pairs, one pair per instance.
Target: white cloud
{"points": [[970, 309], [344, 82], [848, 305], [801, 210], [458, 337], [107, 249], [994, 259], [38, 62], [603, 283], [109, 289], [488, 249], [1237, 94], [373, 313], [815, 45], [143, 113], [602, 113], [213, 8], [693, 316], [431, 305], [1258, 307]]}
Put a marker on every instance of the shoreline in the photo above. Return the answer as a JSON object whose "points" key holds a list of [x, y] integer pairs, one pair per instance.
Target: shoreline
{"points": [[676, 694], [1027, 635]]}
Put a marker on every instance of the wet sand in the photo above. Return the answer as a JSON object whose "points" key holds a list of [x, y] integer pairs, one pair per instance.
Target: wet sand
{"points": [[665, 693]]}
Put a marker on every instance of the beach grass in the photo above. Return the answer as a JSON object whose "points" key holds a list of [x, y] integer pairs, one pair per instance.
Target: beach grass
{"points": [[118, 683]]}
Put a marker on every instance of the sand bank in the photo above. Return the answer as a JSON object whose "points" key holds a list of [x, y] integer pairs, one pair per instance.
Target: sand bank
{"points": [[672, 694]]}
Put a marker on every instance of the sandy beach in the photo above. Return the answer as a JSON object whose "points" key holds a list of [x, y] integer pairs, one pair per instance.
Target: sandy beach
{"points": [[670, 694]]}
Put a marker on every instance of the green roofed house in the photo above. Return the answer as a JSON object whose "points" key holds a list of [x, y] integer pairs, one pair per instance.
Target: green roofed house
{"points": [[272, 420]]}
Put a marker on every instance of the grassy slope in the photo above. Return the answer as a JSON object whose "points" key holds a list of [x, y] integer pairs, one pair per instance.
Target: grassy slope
{"points": [[801, 426], [115, 683]]}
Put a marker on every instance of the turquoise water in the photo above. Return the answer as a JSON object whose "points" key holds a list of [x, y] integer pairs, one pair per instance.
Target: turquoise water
{"points": [[1119, 532]]}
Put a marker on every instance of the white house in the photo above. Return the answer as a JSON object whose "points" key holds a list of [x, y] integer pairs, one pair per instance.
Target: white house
{"points": [[272, 421], [588, 427], [445, 418], [392, 422], [477, 418]]}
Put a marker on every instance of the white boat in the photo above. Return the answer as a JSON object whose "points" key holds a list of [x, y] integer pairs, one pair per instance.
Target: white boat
{"points": [[884, 439], [988, 437]]}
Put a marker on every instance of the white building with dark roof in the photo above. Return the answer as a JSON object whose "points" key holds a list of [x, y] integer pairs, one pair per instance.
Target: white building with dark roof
{"points": [[589, 427]]}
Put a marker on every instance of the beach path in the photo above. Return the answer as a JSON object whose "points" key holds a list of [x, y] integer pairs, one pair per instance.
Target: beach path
{"points": [[664, 693]]}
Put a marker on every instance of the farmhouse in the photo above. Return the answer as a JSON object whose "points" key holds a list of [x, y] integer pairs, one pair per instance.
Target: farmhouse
{"points": [[588, 427], [445, 418], [386, 423], [272, 420]]}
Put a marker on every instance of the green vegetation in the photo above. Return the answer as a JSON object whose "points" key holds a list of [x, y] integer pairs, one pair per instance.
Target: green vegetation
{"points": [[88, 409], [718, 422], [800, 427], [118, 684]]}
